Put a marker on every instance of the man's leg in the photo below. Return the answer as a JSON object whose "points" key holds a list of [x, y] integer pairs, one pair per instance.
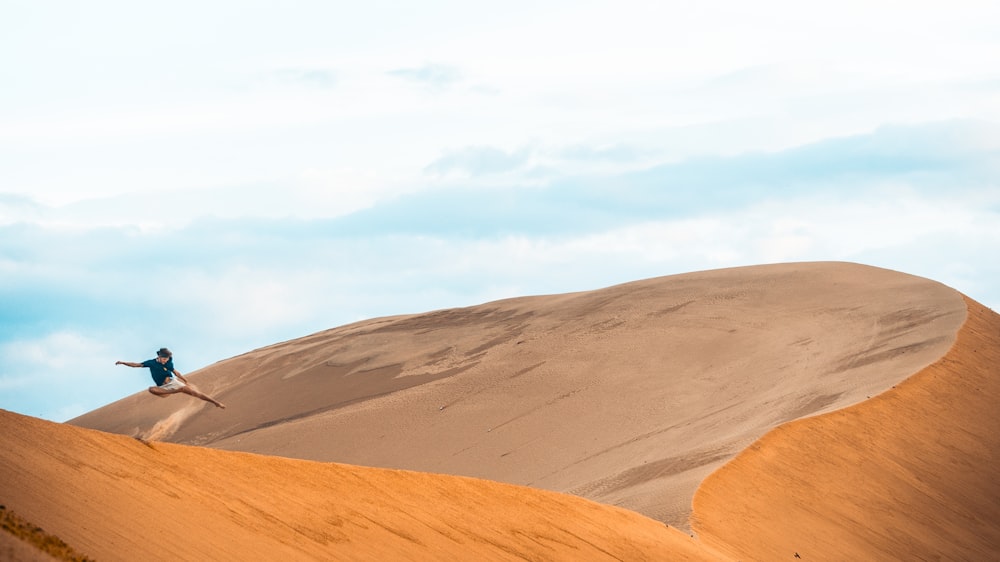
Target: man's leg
{"points": [[205, 397], [161, 392]]}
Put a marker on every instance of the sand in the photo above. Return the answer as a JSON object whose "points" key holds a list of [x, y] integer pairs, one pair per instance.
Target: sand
{"points": [[113, 497], [911, 474], [830, 411]]}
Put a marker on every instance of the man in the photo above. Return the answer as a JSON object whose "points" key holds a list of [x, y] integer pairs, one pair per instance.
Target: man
{"points": [[168, 380]]}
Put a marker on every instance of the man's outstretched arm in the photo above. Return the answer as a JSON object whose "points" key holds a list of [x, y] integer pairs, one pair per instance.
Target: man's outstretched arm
{"points": [[128, 363]]}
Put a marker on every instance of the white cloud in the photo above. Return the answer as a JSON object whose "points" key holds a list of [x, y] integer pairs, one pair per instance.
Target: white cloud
{"points": [[310, 77], [432, 75], [55, 352], [243, 300], [890, 228], [480, 160], [331, 192], [61, 374]]}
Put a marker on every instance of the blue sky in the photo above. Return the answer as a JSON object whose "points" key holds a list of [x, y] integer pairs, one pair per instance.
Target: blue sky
{"points": [[216, 177]]}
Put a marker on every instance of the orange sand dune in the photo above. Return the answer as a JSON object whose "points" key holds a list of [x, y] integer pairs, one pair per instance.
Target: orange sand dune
{"points": [[114, 498], [629, 395], [912, 474]]}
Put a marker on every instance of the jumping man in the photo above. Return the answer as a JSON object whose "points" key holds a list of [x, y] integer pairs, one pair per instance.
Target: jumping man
{"points": [[168, 380]]}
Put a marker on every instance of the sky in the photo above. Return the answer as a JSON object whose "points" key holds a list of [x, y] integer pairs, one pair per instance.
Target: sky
{"points": [[216, 177]]}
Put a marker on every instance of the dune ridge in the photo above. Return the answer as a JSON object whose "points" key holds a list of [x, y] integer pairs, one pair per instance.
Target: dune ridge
{"points": [[628, 395], [910, 474]]}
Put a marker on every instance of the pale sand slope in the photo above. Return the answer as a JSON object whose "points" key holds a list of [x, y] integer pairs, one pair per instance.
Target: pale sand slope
{"points": [[629, 395], [111, 498], [909, 475]]}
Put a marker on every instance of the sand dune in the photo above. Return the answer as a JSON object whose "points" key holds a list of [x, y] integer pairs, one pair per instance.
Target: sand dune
{"points": [[629, 395], [907, 474], [114, 498]]}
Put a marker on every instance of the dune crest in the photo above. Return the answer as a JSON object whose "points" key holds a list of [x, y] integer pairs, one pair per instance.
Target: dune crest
{"points": [[908, 475]]}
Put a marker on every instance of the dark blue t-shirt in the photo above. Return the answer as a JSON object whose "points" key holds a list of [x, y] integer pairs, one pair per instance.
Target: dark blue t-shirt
{"points": [[160, 371]]}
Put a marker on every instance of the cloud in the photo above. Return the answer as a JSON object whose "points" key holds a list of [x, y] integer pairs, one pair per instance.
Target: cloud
{"points": [[953, 155], [17, 208], [433, 75], [614, 153], [313, 77], [311, 193], [959, 157], [55, 376], [479, 160], [17, 202]]}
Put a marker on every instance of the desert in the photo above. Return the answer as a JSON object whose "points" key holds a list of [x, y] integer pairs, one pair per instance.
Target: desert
{"points": [[815, 411]]}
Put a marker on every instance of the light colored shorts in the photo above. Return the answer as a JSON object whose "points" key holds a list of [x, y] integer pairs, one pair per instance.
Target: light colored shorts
{"points": [[173, 384]]}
